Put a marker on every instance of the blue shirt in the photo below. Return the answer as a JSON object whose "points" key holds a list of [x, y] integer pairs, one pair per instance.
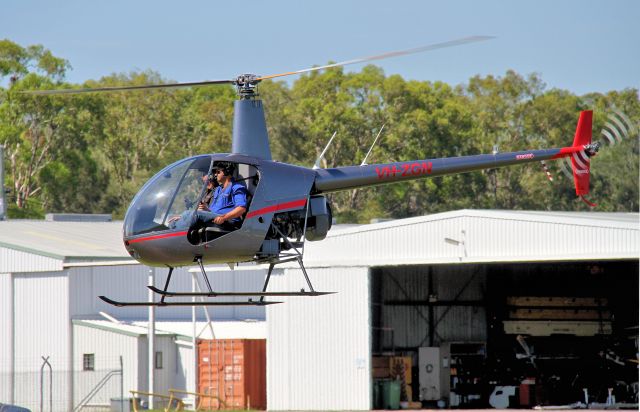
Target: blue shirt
{"points": [[225, 200]]}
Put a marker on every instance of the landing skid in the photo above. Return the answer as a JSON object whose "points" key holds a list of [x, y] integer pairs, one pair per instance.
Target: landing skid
{"points": [[205, 303], [221, 294], [164, 293]]}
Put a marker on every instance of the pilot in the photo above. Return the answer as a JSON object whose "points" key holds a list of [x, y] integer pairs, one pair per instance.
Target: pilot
{"points": [[228, 201], [223, 205]]}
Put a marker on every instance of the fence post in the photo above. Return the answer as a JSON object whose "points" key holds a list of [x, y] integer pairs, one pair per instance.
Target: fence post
{"points": [[121, 386], [46, 362]]}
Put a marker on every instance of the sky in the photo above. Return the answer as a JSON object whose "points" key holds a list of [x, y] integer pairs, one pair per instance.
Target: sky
{"points": [[581, 46]]}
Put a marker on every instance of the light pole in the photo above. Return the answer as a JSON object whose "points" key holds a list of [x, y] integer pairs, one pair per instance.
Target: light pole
{"points": [[3, 198]]}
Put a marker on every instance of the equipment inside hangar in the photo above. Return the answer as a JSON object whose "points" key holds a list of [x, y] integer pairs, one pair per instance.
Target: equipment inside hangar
{"points": [[505, 334]]}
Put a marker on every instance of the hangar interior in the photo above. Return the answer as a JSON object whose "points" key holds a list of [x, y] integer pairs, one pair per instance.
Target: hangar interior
{"points": [[507, 334]]}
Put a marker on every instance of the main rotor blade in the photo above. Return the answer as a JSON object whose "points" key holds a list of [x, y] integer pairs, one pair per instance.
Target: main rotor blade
{"points": [[452, 43], [126, 88]]}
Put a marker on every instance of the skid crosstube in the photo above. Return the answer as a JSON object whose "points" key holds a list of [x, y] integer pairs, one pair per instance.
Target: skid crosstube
{"points": [[205, 303], [221, 294], [164, 293]]}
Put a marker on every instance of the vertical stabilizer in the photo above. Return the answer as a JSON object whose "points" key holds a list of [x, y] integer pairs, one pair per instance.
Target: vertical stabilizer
{"points": [[250, 130], [580, 162]]}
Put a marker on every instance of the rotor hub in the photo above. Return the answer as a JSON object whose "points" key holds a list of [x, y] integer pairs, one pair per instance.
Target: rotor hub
{"points": [[247, 85], [592, 149]]}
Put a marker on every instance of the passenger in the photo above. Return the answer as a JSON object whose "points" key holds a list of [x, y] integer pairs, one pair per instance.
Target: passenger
{"points": [[223, 205], [183, 220]]}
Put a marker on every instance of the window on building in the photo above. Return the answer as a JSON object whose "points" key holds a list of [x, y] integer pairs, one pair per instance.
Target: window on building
{"points": [[158, 360], [88, 362]]}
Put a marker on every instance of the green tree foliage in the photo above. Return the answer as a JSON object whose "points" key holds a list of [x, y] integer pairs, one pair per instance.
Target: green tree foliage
{"points": [[93, 152], [141, 132], [36, 132]]}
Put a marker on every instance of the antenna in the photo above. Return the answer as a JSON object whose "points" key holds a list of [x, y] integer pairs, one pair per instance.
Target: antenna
{"points": [[364, 161], [546, 170], [316, 165]]}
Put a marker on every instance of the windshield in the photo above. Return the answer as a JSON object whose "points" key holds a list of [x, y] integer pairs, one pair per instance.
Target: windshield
{"points": [[172, 192]]}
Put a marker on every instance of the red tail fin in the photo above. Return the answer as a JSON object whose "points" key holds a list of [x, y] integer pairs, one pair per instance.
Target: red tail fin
{"points": [[580, 161]]}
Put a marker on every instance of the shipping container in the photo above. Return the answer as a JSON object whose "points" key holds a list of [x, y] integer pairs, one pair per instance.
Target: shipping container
{"points": [[234, 372]]}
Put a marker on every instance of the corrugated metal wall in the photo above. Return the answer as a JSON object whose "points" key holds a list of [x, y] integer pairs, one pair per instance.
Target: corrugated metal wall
{"points": [[491, 239], [122, 283], [12, 260], [318, 349], [42, 328], [129, 283], [163, 377], [6, 338], [240, 280], [185, 375], [107, 347], [408, 241]]}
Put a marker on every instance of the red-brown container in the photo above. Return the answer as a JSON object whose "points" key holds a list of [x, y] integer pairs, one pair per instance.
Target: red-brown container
{"points": [[234, 371]]}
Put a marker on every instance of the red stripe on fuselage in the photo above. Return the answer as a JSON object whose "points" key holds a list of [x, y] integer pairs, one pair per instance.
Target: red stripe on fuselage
{"points": [[166, 235], [275, 208], [264, 210]]}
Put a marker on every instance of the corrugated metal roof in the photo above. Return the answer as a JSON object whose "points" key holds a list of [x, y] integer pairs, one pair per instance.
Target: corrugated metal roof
{"points": [[67, 241], [128, 329], [596, 219], [80, 242], [221, 329], [243, 329]]}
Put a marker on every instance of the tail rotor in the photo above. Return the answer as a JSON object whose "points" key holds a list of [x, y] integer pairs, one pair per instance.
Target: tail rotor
{"points": [[577, 166]]}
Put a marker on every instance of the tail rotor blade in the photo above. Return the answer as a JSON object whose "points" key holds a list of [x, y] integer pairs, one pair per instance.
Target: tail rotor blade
{"points": [[623, 129], [631, 128], [581, 159], [606, 132], [618, 131], [565, 166], [617, 128]]}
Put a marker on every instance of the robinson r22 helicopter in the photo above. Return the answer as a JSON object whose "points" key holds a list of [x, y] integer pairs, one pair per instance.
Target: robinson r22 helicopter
{"points": [[287, 204]]}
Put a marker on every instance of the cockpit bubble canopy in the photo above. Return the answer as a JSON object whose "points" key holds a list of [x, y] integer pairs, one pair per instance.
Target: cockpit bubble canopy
{"points": [[173, 191]]}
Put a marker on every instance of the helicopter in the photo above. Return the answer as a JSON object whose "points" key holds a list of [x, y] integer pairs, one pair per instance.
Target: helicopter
{"points": [[286, 204]]}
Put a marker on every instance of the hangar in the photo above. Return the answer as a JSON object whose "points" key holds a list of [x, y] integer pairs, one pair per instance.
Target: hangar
{"points": [[465, 285], [491, 298]]}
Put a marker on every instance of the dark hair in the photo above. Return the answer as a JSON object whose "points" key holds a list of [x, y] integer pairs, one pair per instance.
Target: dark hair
{"points": [[227, 167]]}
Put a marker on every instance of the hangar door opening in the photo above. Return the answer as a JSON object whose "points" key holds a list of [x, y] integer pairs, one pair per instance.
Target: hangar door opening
{"points": [[505, 335]]}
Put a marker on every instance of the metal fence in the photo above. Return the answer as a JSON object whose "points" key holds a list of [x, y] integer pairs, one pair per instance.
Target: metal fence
{"points": [[51, 386]]}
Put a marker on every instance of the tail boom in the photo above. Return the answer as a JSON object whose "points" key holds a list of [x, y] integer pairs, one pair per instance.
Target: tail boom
{"points": [[353, 177]]}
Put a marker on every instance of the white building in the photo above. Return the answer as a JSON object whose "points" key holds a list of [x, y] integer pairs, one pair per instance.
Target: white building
{"points": [[51, 274], [401, 285]]}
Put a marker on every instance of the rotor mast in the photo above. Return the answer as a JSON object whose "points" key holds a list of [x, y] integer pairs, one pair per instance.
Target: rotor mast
{"points": [[250, 135]]}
